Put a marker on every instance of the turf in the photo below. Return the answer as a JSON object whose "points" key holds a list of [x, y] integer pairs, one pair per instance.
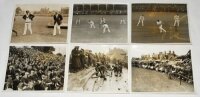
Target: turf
{"points": [[149, 33], [83, 34]]}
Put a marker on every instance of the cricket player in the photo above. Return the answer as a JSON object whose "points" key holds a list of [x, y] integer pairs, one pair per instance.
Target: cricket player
{"points": [[159, 23], [14, 30], [78, 21], [122, 21], [105, 28], [102, 20], [141, 20], [91, 24], [176, 20], [57, 22], [28, 17]]}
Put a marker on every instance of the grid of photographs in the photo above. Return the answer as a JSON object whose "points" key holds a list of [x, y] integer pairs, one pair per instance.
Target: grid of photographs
{"points": [[102, 56]]}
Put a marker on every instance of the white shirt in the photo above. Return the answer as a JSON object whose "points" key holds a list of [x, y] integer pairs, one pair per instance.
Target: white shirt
{"points": [[141, 18], [91, 22], [159, 22], [176, 17], [105, 25], [28, 20], [102, 20]]}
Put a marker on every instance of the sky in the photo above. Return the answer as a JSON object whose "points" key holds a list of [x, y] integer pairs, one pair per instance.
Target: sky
{"points": [[137, 51], [100, 48], [60, 49], [37, 7]]}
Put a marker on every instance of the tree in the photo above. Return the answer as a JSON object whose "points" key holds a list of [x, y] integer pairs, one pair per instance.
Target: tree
{"points": [[45, 49], [59, 54], [18, 10]]}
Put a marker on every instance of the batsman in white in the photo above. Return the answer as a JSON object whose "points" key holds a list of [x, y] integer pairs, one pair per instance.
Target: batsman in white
{"points": [[106, 28], [159, 23], [91, 23], [141, 20], [176, 20]]}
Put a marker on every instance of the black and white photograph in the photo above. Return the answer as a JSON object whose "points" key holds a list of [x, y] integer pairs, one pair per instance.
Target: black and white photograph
{"points": [[160, 23], [166, 68], [35, 68], [98, 68], [45, 23], [99, 23]]}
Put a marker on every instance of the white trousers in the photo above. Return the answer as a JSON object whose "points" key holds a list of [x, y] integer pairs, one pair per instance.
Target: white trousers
{"points": [[176, 22], [161, 29], [92, 26], [78, 21], [122, 22], [56, 26], [27, 26], [104, 30], [142, 21]]}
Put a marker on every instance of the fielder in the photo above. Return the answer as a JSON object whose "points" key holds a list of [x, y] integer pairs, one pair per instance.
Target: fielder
{"points": [[141, 20], [122, 21], [176, 20], [78, 21], [28, 17], [106, 28], [91, 23], [102, 20], [159, 23]]}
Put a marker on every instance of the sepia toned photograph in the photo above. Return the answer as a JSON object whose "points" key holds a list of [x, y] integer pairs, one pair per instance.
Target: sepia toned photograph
{"points": [[98, 68], [99, 23], [160, 23], [35, 68], [162, 69], [40, 23]]}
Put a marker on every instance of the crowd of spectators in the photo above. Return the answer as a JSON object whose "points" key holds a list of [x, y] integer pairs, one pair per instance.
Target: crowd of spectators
{"points": [[31, 69]]}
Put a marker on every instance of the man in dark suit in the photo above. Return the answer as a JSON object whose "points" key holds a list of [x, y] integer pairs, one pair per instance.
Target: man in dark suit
{"points": [[57, 22], [28, 17]]}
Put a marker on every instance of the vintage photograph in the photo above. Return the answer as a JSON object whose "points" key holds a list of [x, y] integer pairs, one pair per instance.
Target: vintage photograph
{"points": [[35, 68], [162, 69], [40, 23], [98, 68], [99, 23], [160, 23]]}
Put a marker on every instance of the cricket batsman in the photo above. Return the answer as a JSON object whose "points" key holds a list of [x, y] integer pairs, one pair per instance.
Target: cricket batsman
{"points": [[159, 23]]}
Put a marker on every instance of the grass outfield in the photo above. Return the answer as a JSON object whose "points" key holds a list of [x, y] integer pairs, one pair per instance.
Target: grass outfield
{"points": [[83, 34], [144, 80], [150, 32]]}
